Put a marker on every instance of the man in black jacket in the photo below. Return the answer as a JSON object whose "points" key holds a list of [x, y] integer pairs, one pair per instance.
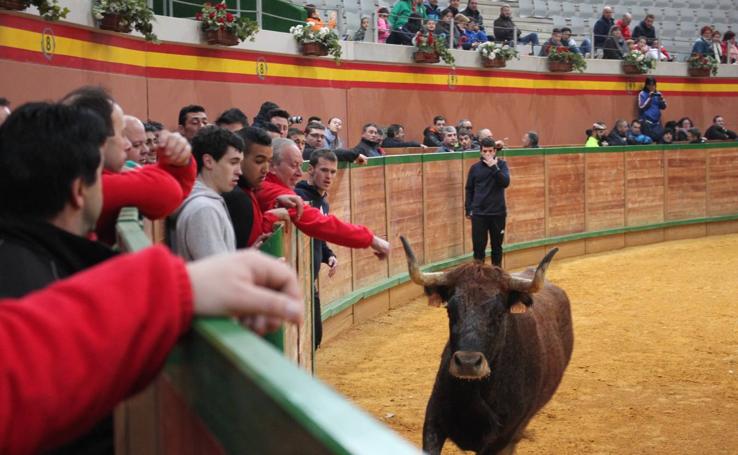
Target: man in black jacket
{"points": [[369, 144], [718, 132], [321, 173], [50, 199], [505, 29], [485, 201], [646, 29], [432, 136], [396, 138], [602, 27], [619, 134], [315, 140]]}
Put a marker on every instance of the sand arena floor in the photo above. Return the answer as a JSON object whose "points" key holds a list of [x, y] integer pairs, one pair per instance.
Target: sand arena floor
{"points": [[654, 369]]}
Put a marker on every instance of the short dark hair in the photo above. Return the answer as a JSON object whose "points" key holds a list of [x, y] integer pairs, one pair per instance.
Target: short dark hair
{"points": [[44, 147], [729, 35], [272, 128], [650, 16], [4, 102], [650, 80], [714, 119], [565, 29], [638, 121], [189, 109], [231, 116], [292, 131], [96, 99], [314, 119], [437, 118], [214, 141], [556, 30], [152, 126], [487, 142], [464, 132], [369, 125], [393, 130], [533, 136], [326, 154], [252, 135], [278, 113], [314, 126]]}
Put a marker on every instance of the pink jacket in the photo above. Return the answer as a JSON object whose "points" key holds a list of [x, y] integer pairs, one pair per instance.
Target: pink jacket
{"points": [[383, 30]]}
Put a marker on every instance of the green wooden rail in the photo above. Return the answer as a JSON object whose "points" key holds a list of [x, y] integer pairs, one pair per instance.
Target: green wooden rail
{"points": [[254, 400]]}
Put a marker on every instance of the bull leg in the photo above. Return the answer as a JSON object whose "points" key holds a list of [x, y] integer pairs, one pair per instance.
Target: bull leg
{"points": [[434, 435], [492, 449]]}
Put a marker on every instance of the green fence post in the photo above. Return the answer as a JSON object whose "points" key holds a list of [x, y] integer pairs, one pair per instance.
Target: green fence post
{"points": [[274, 246]]}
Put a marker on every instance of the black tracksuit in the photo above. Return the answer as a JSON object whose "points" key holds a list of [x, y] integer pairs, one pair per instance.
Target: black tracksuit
{"points": [[485, 203], [321, 253]]}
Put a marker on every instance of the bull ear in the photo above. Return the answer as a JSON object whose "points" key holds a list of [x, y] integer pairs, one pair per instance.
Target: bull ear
{"points": [[437, 296], [518, 302]]}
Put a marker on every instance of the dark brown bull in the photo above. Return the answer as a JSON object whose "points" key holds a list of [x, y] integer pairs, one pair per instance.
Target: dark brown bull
{"points": [[510, 340]]}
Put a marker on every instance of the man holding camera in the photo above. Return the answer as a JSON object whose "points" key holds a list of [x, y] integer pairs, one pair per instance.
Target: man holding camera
{"points": [[650, 105]]}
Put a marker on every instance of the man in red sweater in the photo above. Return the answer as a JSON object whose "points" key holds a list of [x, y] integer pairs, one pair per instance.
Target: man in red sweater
{"points": [[156, 190], [54, 341], [286, 171]]}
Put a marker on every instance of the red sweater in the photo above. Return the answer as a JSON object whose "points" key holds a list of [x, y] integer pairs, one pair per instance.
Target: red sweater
{"points": [[263, 222], [313, 222], [70, 352], [157, 190]]}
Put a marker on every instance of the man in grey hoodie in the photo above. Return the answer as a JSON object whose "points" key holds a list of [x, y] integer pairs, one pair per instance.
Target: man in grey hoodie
{"points": [[201, 226]]}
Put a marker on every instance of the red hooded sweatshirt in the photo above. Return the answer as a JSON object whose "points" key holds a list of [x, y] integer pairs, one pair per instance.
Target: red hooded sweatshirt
{"points": [[157, 190], [313, 222], [73, 350]]}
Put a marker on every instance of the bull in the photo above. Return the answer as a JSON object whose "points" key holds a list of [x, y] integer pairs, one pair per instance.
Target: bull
{"points": [[510, 340]]}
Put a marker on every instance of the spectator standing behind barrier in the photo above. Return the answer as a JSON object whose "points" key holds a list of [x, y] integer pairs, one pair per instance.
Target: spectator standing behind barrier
{"points": [[383, 27], [596, 136], [646, 29], [602, 27], [619, 133], [396, 138], [474, 36], [261, 119], [332, 141], [369, 146], [505, 30], [614, 47], [553, 42], [694, 136], [233, 120], [281, 119], [650, 105], [169, 181], [703, 45], [314, 19], [624, 25], [668, 137], [321, 173], [191, 119], [432, 135], [636, 136], [718, 132], [485, 201], [730, 49], [315, 140], [201, 226], [432, 10], [449, 143], [298, 137], [682, 127], [566, 40], [4, 109], [360, 34], [88, 342], [466, 142], [530, 140], [717, 48]]}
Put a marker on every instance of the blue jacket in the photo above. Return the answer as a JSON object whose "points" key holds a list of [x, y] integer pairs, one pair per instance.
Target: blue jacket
{"points": [[474, 37], [639, 139], [485, 188], [650, 107], [703, 47]]}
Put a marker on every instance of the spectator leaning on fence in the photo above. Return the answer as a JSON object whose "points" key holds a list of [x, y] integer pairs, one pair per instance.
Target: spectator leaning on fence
{"points": [[596, 136], [619, 133], [718, 132], [530, 140], [396, 138], [636, 136], [432, 135], [370, 140]]}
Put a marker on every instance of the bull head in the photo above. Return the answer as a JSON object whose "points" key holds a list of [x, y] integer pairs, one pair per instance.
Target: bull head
{"points": [[478, 297]]}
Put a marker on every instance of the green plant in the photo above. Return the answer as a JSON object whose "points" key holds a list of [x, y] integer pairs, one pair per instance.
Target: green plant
{"points": [[325, 36], [564, 54], [214, 18], [427, 42], [643, 62], [493, 50], [49, 10], [701, 61], [135, 13]]}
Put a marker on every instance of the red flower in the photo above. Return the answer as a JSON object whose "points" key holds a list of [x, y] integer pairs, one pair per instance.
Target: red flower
{"points": [[220, 6], [198, 16], [430, 39], [212, 15], [229, 17], [220, 20], [562, 49]]}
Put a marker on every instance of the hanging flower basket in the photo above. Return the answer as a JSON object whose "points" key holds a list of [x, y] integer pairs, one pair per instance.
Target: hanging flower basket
{"points": [[630, 68], [113, 23], [497, 62], [699, 72], [559, 66], [317, 49], [15, 5], [426, 57], [221, 36]]}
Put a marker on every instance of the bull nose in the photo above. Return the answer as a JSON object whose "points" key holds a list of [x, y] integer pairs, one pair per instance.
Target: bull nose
{"points": [[469, 365]]}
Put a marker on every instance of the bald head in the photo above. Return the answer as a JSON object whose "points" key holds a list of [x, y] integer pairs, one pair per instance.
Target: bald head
{"points": [[136, 135], [607, 12], [484, 132]]}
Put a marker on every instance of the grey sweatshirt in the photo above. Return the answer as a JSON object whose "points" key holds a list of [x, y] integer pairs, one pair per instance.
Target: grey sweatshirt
{"points": [[202, 226]]}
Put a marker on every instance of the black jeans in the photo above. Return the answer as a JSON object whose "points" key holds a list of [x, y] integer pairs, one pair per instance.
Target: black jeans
{"points": [[317, 321], [495, 226]]}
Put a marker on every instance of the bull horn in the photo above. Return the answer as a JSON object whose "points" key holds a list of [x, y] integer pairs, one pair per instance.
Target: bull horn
{"points": [[428, 279], [536, 284]]}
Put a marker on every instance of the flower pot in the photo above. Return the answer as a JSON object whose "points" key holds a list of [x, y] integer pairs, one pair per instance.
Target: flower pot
{"points": [[559, 66], [318, 49], [699, 72], [631, 68], [497, 62], [16, 5], [112, 22], [426, 57], [221, 36]]}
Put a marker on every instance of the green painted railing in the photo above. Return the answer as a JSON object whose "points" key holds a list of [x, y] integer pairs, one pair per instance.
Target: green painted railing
{"points": [[274, 246], [254, 400]]}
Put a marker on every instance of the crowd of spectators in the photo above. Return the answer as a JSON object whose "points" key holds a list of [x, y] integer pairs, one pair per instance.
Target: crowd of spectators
{"points": [[464, 28]]}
